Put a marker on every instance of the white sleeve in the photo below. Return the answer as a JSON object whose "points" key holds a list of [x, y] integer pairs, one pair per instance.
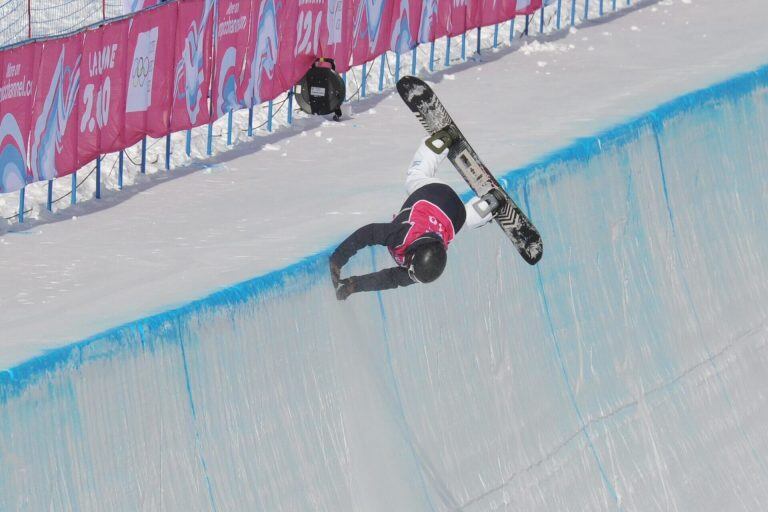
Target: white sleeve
{"points": [[478, 213], [423, 168]]}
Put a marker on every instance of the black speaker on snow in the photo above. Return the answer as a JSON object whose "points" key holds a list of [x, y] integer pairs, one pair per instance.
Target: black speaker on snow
{"points": [[321, 91]]}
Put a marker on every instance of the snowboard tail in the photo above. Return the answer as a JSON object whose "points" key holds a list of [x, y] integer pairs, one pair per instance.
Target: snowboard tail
{"points": [[422, 100]]}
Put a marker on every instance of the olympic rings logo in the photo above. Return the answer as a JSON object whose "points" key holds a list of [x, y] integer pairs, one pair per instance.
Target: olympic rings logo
{"points": [[142, 70]]}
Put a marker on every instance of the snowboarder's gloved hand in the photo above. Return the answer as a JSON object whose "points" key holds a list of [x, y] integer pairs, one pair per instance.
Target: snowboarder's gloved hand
{"points": [[495, 199], [344, 288], [335, 273]]}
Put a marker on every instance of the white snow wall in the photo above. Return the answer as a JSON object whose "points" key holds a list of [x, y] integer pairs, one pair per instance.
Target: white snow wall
{"points": [[627, 371]]}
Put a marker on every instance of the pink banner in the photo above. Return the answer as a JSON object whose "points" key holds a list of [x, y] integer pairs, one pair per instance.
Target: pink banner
{"points": [[193, 64], [406, 18], [150, 73], [16, 88], [232, 32], [336, 34], [102, 91], [371, 27], [54, 137]]}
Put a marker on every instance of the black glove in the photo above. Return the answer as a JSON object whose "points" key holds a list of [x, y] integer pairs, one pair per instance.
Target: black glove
{"points": [[335, 273], [344, 288]]}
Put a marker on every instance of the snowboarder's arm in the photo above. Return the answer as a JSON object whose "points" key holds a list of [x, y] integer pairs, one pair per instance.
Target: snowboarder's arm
{"points": [[478, 213], [382, 280]]}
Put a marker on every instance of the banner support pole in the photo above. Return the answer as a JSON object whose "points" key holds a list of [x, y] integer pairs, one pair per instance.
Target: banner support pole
{"points": [[447, 51], [586, 10], [22, 193], [167, 152], [496, 36], [209, 144], [49, 203], [120, 170], [541, 20], [573, 12], [559, 8], [98, 177], [414, 56], [365, 79], [432, 56], [290, 107], [188, 147], [381, 72], [397, 66], [73, 194], [144, 155], [250, 121]]}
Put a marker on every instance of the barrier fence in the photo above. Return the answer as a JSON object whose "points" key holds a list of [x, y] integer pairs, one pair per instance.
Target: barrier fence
{"points": [[107, 88]]}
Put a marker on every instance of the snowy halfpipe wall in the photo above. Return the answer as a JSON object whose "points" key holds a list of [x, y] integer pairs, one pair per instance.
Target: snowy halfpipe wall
{"points": [[626, 371]]}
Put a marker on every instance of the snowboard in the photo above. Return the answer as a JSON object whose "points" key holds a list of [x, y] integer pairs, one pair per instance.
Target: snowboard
{"points": [[423, 101]]}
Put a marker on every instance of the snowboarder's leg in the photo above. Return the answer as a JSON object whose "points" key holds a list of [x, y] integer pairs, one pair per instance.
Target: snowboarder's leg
{"points": [[423, 168]]}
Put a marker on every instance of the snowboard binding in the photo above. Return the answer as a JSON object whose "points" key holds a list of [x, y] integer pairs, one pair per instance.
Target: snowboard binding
{"points": [[441, 140]]}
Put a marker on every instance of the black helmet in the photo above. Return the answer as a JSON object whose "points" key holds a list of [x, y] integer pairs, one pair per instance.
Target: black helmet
{"points": [[426, 258]]}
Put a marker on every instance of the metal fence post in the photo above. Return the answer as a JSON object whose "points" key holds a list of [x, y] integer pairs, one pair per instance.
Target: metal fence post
{"points": [[479, 35], [365, 79], [573, 12], [22, 192], [73, 193], [269, 116], [447, 51], [290, 107], [541, 20], [209, 144], [120, 170], [414, 56], [49, 202], [559, 6], [250, 121], [144, 155], [397, 66], [189, 143], [98, 177], [381, 73], [527, 24], [229, 127], [432, 56], [496, 36], [464, 46], [586, 10], [512, 30], [167, 152]]}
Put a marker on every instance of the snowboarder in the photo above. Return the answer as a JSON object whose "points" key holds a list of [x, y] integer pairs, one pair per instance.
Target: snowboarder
{"points": [[418, 236]]}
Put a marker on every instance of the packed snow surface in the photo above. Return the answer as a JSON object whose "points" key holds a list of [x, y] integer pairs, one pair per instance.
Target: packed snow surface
{"points": [[623, 372]]}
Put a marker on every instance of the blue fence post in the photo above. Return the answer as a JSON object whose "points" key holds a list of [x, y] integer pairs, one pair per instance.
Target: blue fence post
{"points": [[49, 203], [120, 170], [381, 73], [479, 34], [573, 12], [559, 6], [512, 30], [167, 152], [365, 79], [144, 155], [586, 10], [229, 127], [209, 143], [527, 24], [414, 56], [447, 51], [290, 107], [464, 46], [98, 177], [432, 56], [189, 143], [22, 192], [269, 116], [601, 8], [250, 121], [496, 35], [614, 5], [397, 66], [541, 20], [73, 193]]}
